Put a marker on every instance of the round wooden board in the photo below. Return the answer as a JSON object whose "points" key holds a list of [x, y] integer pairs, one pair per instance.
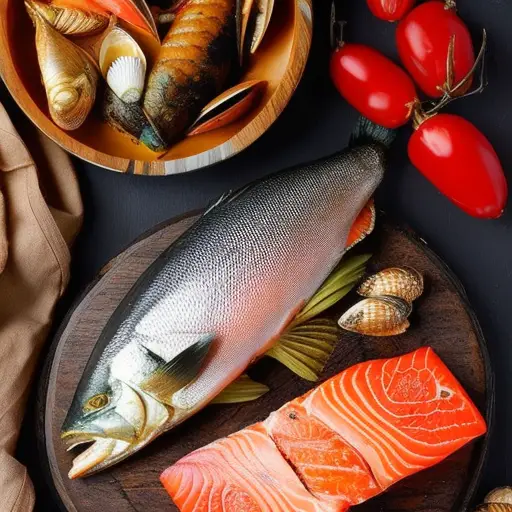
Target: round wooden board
{"points": [[442, 319]]}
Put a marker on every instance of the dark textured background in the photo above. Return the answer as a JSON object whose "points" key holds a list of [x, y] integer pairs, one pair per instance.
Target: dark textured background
{"points": [[318, 122]]}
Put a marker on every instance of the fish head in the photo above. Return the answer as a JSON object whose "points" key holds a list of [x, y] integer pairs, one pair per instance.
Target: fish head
{"points": [[114, 418]]}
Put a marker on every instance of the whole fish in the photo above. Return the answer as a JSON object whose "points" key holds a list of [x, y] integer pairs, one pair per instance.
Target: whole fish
{"points": [[216, 300], [192, 67]]}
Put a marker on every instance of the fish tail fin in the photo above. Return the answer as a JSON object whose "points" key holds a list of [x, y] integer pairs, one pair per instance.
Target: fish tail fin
{"points": [[368, 132], [363, 225], [307, 344]]}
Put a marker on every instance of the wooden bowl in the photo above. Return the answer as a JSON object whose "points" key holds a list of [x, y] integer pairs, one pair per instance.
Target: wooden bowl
{"points": [[280, 60]]}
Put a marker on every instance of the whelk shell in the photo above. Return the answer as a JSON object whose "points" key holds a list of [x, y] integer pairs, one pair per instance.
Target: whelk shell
{"points": [[69, 75], [229, 106], [69, 21], [406, 283], [135, 12], [377, 316]]}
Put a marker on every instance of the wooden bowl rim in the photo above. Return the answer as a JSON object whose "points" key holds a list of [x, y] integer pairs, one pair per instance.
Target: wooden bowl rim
{"points": [[301, 45]]}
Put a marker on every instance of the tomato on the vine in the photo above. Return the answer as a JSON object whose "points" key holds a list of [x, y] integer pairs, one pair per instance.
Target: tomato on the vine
{"points": [[373, 84], [459, 160], [424, 37], [390, 10]]}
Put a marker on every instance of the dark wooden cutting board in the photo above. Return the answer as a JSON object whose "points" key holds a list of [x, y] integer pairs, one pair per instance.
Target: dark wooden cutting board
{"points": [[442, 319]]}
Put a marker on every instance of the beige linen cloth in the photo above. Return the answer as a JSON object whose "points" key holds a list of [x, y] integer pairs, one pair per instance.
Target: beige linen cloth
{"points": [[40, 214]]}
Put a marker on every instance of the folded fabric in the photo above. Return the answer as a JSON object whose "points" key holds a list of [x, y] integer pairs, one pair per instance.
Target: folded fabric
{"points": [[40, 215]]}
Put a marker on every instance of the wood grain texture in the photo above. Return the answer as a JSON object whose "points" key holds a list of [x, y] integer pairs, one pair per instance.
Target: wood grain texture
{"points": [[442, 319], [280, 60]]}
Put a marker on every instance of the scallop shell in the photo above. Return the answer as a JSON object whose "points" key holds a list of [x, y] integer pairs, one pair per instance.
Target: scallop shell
{"points": [[69, 76], [500, 495], [377, 316], [69, 21], [126, 78], [228, 107], [406, 283], [118, 43]]}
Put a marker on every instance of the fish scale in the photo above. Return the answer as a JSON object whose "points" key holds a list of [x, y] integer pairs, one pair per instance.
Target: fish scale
{"points": [[235, 280]]}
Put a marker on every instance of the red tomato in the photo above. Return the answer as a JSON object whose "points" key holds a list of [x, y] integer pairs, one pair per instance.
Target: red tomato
{"points": [[458, 159], [390, 10], [423, 38], [373, 84]]}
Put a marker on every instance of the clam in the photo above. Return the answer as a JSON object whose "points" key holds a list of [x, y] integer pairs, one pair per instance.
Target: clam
{"points": [[130, 119], [69, 75], [123, 64], [69, 21], [253, 14], [494, 507], [500, 495], [228, 107], [406, 283], [377, 316]]}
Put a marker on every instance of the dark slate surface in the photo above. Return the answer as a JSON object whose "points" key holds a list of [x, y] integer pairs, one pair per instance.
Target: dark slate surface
{"points": [[318, 122]]}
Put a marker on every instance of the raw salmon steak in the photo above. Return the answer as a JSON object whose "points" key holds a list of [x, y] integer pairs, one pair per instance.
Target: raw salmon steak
{"points": [[244, 472], [340, 444], [402, 414], [329, 467]]}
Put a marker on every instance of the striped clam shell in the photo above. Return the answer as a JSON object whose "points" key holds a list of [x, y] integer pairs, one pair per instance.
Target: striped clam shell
{"points": [[494, 507], [500, 495], [406, 283], [377, 316]]}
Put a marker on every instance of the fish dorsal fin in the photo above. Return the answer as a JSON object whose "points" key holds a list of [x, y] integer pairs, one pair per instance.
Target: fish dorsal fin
{"points": [[363, 225], [167, 346], [227, 197], [169, 377], [243, 389], [305, 348]]}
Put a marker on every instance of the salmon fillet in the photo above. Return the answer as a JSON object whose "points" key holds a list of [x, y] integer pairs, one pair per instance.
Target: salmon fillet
{"points": [[402, 414], [342, 443]]}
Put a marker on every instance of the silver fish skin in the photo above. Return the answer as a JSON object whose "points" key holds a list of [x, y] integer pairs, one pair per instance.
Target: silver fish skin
{"points": [[219, 296]]}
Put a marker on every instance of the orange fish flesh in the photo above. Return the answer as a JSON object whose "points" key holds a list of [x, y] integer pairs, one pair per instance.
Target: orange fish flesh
{"points": [[337, 446]]}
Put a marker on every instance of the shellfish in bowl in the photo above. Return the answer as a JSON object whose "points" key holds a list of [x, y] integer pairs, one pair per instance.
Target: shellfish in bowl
{"points": [[160, 104]]}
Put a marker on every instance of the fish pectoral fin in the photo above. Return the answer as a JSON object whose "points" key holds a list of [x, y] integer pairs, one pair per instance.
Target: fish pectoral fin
{"points": [[243, 389], [306, 348], [341, 280], [363, 225], [174, 375]]}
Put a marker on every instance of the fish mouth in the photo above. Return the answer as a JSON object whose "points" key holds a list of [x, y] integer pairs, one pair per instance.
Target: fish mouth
{"points": [[101, 453]]}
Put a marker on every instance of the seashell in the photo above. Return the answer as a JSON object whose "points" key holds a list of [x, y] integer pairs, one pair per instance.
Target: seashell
{"points": [[118, 43], [500, 495], [255, 14], [494, 507], [69, 76], [130, 119], [229, 106], [135, 12], [406, 283], [126, 78], [264, 9], [69, 21], [377, 316]]}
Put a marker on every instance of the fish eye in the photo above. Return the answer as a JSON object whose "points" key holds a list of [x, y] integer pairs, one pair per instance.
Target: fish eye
{"points": [[96, 402]]}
